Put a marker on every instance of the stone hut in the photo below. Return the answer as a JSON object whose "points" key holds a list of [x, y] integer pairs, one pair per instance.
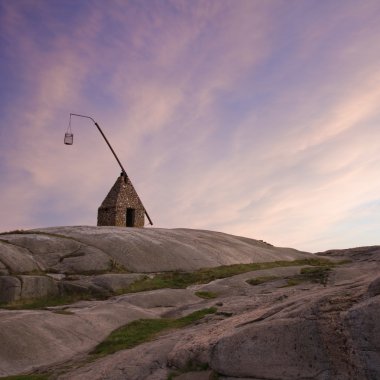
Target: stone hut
{"points": [[122, 206]]}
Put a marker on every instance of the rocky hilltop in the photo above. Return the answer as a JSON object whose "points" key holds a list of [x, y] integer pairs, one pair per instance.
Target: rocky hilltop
{"points": [[227, 307]]}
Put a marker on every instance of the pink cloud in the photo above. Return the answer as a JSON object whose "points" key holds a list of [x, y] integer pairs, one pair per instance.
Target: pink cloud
{"points": [[218, 124]]}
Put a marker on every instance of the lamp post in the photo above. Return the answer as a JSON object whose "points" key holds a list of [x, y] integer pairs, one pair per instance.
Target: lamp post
{"points": [[69, 140]]}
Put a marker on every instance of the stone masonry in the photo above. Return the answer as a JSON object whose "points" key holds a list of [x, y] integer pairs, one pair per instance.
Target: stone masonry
{"points": [[122, 206]]}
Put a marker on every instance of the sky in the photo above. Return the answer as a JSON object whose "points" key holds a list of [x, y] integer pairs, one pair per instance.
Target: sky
{"points": [[254, 118]]}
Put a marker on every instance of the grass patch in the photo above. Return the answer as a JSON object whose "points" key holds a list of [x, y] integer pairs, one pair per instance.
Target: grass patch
{"points": [[115, 267], [292, 282], [144, 330], [173, 280], [181, 280], [316, 275], [206, 295], [261, 280]]}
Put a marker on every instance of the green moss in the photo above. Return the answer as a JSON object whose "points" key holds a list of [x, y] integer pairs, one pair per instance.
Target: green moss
{"points": [[115, 267], [317, 275], [144, 330], [206, 295], [174, 280], [181, 280], [293, 282], [261, 280]]}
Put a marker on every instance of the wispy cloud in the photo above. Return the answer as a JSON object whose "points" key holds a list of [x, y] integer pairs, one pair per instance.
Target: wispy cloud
{"points": [[250, 117]]}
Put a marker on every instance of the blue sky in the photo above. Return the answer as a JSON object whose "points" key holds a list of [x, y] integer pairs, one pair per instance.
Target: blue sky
{"points": [[256, 118]]}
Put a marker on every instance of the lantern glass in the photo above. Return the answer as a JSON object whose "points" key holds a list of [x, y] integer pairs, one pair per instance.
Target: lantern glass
{"points": [[69, 138]]}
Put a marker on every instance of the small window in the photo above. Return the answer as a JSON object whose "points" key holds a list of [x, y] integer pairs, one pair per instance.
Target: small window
{"points": [[130, 217]]}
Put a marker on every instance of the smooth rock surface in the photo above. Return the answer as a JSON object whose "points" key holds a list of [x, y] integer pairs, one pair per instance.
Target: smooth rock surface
{"points": [[158, 250], [37, 287], [3, 269], [115, 281], [195, 375], [18, 259], [10, 289], [269, 331], [374, 288], [103, 257], [363, 321], [161, 298], [283, 349], [31, 339], [147, 361]]}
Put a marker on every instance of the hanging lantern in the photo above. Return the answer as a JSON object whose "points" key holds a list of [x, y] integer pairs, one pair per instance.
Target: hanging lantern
{"points": [[69, 138]]}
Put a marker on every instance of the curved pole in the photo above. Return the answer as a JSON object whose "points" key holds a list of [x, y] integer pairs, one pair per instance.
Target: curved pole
{"points": [[113, 152], [105, 138]]}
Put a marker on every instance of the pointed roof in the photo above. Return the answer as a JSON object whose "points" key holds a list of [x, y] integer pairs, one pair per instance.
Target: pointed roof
{"points": [[116, 195]]}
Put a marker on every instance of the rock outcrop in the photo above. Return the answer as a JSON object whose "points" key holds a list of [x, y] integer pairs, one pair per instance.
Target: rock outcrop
{"points": [[103, 260], [277, 329]]}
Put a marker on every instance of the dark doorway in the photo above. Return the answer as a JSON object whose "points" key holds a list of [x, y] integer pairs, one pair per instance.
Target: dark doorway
{"points": [[130, 217]]}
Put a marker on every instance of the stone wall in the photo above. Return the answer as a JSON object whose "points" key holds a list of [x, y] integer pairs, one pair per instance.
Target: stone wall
{"points": [[122, 195]]}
